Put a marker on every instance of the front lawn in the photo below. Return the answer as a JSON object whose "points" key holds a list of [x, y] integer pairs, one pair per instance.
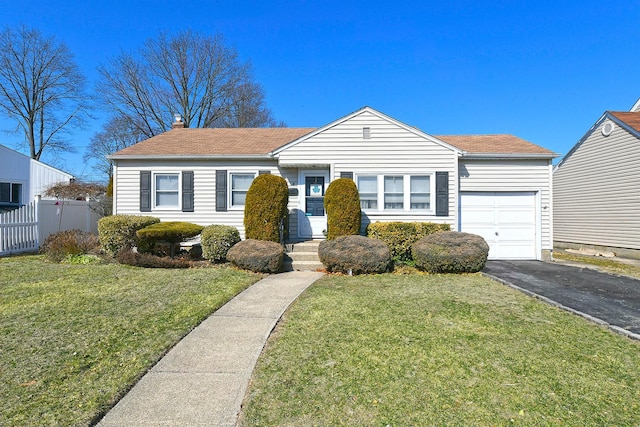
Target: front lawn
{"points": [[439, 350], [76, 337], [607, 265]]}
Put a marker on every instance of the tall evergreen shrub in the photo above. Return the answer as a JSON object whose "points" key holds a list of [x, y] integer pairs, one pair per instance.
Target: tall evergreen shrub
{"points": [[342, 203], [265, 208]]}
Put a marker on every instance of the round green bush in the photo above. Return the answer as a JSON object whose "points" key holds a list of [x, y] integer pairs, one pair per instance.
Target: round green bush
{"points": [[400, 236], [259, 256], [355, 255], [216, 240], [342, 203], [172, 232], [451, 252], [265, 207], [117, 232]]}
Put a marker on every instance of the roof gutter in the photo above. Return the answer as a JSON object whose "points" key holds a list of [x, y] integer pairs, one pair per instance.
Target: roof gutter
{"points": [[190, 157], [487, 156]]}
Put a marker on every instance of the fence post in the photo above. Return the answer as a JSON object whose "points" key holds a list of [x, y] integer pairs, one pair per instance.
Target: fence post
{"points": [[36, 215]]}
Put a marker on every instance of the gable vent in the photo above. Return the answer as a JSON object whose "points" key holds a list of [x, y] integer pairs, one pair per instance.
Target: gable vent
{"points": [[607, 128], [366, 133]]}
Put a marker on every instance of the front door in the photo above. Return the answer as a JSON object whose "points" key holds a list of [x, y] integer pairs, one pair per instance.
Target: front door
{"points": [[312, 219]]}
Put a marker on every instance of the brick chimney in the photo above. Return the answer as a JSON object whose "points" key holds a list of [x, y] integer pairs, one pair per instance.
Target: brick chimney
{"points": [[177, 122]]}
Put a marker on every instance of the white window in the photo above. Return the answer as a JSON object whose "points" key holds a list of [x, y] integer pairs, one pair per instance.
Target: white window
{"points": [[368, 188], [393, 192], [420, 192], [167, 190], [10, 193], [396, 192], [240, 183]]}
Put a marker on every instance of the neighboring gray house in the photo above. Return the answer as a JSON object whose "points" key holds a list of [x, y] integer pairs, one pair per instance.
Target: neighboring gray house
{"points": [[23, 178], [596, 188], [498, 186]]}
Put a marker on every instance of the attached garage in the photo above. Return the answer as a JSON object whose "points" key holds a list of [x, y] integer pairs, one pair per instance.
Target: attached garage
{"points": [[506, 220]]}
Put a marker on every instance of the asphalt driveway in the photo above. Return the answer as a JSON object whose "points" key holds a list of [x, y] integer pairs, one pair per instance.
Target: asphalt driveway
{"points": [[612, 299]]}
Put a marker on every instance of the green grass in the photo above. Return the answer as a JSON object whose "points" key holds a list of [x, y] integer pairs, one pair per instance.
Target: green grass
{"points": [[439, 350], [76, 337], [607, 265]]}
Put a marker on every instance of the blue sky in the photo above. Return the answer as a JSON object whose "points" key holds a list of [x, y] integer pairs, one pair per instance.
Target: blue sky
{"points": [[542, 70]]}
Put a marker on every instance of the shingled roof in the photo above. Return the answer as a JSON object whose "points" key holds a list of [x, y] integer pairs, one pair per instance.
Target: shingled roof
{"points": [[493, 144], [632, 119], [215, 142], [261, 141]]}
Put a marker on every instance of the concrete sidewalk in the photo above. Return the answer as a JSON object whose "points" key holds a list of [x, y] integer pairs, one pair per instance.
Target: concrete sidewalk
{"points": [[203, 379]]}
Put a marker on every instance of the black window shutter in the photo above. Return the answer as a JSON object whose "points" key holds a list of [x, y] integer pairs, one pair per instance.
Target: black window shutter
{"points": [[145, 191], [442, 193], [346, 175], [221, 190], [187, 191]]}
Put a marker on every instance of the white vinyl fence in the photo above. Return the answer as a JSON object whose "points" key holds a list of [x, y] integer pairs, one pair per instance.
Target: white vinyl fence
{"points": [[19, 230], [24, 229]]}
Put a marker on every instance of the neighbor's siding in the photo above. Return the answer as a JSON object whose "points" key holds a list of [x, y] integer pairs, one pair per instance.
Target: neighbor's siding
{"points": [[390, 149], [127, 189], [513, 175], [597, 192], [35, 177], [44, 176], [15, 168]]}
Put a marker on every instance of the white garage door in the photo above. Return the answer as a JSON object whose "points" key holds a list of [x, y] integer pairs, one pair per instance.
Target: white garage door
{"points": [[506, 220]]}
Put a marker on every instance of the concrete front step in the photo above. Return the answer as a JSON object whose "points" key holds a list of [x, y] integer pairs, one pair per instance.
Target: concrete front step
{"points": [[302, 256]]}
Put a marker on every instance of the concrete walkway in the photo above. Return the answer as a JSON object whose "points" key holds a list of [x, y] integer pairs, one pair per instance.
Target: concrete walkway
{"points": [[202, 381]]}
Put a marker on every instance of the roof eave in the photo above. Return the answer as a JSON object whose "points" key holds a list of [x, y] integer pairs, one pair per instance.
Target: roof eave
{"points": [[190, 156], [543, 156]]}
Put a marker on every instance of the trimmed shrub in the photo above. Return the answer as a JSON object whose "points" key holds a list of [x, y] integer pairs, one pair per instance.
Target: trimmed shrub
{"points": [[451, 252], [355, 255], [265, 207], [216, 240], [64, 244], [400, 236], [260, 256], [342, 203], [119, 231], [129, 257], [171, 232]]}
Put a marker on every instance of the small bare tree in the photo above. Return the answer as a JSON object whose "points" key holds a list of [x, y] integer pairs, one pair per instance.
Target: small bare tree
{"points": [[41, 87], [190, 74], [117, 133]]}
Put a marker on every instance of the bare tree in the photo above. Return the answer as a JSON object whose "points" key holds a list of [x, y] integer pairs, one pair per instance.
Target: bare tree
{"points": [[247, 109], [41, 87], [190, 74], [117, 133]]}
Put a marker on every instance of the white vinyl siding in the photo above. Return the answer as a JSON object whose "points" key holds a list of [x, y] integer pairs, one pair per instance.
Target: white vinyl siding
{"points": [[596, 192], [391, 150], [514, 176], [127, 189], [34, 177]]}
